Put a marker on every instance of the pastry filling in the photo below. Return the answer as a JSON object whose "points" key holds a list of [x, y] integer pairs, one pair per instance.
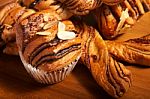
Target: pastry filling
{"points": [[55, 56], [44, 46]]}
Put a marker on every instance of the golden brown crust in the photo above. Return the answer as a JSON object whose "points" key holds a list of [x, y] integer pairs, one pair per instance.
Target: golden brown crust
{"points": [[80, 7], [112, 18], [9, 16], [37, 4], [77, 7], [8, 33], [6, 10], [14, 15], [107, 23], [47, 51], [26, 13], [134, 51], [53, 5], [110, 74]]}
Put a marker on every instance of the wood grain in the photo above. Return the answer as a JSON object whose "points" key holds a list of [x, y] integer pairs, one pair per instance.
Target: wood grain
{"points": [[16, 83]]}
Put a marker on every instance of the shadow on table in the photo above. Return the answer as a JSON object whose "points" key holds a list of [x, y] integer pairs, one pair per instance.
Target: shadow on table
{"points": [[84, 76], [13, 76]]}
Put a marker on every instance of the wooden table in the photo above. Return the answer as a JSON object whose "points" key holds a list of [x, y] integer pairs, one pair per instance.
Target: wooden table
{"points": [[16, 83]]}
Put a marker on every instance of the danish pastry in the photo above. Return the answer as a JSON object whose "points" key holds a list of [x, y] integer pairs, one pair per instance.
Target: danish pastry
{"points": [[49, 48], [111, 19]]}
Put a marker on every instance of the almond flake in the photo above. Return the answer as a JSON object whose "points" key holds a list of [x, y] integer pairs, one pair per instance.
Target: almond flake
{"points": [[66, 35], [49, 25], [46, 17], [124, 14], [41, 25], [8, 26], [43, 33], [61, 26], [123, 18]]}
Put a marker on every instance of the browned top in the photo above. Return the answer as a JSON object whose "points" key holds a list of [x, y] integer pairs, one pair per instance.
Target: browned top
{"points": [[47, 52]]}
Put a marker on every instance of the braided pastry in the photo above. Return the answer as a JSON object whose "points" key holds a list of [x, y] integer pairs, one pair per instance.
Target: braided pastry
{"points": [[111, 19], [109, 73], [54, 5], [82, 7], [67, 7], [9, 14], [104, 60], [134, 51]]}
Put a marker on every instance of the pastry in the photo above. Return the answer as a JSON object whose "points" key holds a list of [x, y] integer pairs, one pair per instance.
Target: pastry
{"points": [[67, 8], [54, 5], [107, 23], [112, 18], [6, 21], [82, 7], [48, 48], [109, 73], [133, 51], [8, 16]]}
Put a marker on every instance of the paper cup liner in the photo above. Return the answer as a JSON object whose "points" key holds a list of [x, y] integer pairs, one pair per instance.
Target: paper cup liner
{"points": [[46, 77]]}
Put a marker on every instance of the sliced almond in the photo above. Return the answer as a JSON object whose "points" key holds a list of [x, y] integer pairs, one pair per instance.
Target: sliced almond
{"points": [[66, 35], [61, 26], [8, 26], [124, 14], [41, 25], [46, 17], [43, 33], [49, 25], [123, 18]]}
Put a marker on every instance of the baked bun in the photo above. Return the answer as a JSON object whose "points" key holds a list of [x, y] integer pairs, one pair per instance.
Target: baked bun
{"points": [[81, 7], [9, 15], [54, 5], [49, 48]]}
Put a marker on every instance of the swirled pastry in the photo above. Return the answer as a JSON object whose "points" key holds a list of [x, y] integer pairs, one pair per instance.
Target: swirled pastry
{"points": [[111, 19], [9, 15], [133, 51], [48, 46], [67, 8], [109, 73], [54, 5]]}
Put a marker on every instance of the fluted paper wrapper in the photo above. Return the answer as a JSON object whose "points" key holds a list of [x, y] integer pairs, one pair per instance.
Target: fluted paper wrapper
{"points": [[46, 77]]}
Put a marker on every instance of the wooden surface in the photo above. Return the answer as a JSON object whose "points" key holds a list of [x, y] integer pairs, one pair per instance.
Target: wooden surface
{"points": [[16, 83]]}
